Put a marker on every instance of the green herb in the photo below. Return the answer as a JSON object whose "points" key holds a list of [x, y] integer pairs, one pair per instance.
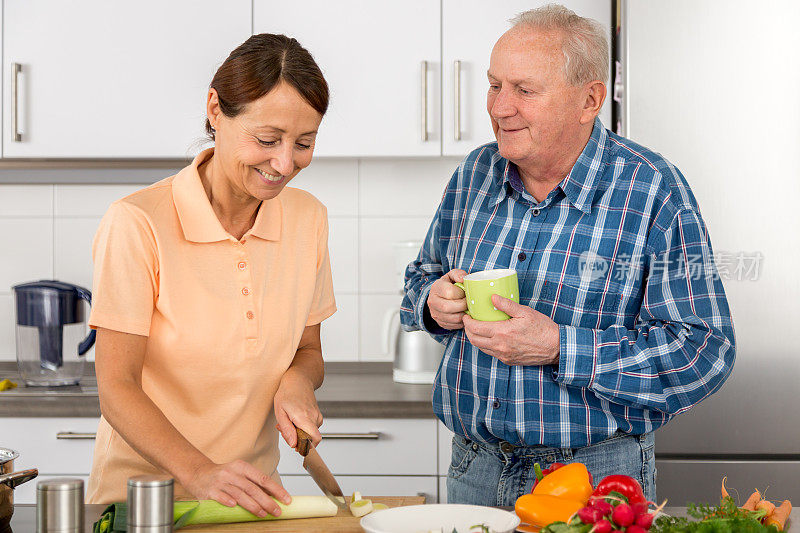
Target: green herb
{"points": [[727, 517], [563, 527]]}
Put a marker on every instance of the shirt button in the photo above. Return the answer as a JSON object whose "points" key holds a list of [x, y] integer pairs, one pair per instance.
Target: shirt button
{"points": [[536, 212], [250, 315], [496, 404], [242, 265], [522, 256], [245, 291]]}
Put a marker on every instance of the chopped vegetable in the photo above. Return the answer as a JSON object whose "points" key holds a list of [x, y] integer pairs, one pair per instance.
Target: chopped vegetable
{"points": [[355, 497], [379, 507], [361, 507]]}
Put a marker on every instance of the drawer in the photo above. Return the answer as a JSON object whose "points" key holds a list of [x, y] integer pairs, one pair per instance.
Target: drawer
{"points": [[53, 445], [371, 446], [27, 493], [369, 486]]}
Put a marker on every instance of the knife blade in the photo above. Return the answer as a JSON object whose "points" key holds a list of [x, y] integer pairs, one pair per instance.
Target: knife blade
{"points": [[318, 470]]}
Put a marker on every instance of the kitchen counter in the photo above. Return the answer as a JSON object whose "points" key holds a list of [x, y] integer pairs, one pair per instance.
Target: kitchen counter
{"points": [[350, 390], [24, 519]]}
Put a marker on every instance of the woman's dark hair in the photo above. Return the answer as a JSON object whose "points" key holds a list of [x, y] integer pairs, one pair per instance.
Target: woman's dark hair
{"points": [[260, 63]]}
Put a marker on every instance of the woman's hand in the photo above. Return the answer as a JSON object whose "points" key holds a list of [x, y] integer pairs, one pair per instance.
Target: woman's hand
{"points": [[239, 483], [296, 407]]}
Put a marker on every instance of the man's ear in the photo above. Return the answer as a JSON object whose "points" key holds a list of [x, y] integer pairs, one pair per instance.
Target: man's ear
{"points": [[594, 96]]}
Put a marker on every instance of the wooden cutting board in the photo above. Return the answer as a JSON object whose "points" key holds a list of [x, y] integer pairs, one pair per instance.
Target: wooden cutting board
{"points": [[344, 522]]}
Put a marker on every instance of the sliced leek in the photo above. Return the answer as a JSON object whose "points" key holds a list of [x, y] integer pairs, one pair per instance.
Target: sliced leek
{"points": [[361, 507]]}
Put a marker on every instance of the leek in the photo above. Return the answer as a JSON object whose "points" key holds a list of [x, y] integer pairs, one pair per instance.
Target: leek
{"points": [[212, 512]]}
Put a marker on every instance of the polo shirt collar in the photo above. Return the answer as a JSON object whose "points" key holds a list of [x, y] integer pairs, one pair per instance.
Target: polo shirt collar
{"points": [[197, 217], [581, 182]]}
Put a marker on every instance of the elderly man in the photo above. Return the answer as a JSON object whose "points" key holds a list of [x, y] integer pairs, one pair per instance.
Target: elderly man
{"points": [[622, 321]]}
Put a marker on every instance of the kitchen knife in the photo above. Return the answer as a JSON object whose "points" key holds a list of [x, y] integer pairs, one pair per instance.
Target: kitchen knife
{"points": [[319, 471]]}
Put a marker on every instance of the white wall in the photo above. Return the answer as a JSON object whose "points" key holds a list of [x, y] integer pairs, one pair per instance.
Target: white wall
{"points": [[46, 232]]}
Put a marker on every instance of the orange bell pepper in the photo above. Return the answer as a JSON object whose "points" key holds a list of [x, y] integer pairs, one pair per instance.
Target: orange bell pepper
{"points": [[543, 509], [570, 482]]}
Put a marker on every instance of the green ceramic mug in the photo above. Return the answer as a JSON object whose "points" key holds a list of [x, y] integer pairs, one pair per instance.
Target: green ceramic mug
{"points": [[479, 288]]}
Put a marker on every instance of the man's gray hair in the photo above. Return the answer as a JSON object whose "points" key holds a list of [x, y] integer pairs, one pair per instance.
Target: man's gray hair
{"points": [[585, 44]]}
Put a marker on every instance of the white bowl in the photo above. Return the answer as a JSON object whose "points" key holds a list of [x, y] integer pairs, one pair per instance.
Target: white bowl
{"points": [[444, 517]]}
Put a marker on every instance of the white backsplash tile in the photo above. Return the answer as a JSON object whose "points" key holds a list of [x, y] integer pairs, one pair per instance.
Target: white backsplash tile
{"points": [[89, 200], [343, 250], [339, 333], [46, 231], [397, 187], [26, 200], [334, 182], [377, 262], [26, 250], [73, 249], [374, 320], [8, 351]]}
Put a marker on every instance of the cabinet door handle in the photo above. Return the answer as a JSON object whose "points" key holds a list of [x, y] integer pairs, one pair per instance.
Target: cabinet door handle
{"points": [[16, 68], [352, 436], [424, 101], [73, 435], [457, 98]]}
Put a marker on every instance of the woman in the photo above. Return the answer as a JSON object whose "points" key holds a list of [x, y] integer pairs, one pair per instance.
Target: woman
{"points": [[209, 290]]}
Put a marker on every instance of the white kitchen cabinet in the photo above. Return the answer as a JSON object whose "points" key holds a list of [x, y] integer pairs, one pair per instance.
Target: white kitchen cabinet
{"points": [[370, 486], [372, 446], [62, 446], [106, 79], [469, 30], [445, 448], [371, 54]]}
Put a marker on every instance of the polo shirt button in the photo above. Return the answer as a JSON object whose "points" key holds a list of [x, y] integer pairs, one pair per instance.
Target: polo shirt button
{"points": [[250, 315], [522, 256], [536, 212], [245, 291], [496, 404], [242, 265]]}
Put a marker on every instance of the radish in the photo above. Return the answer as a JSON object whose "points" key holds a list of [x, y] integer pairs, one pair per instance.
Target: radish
{"points": [[602, 526], [623, 515], [640, 508], [644, 520], [635, 529], [589, 515], [603, 506]]}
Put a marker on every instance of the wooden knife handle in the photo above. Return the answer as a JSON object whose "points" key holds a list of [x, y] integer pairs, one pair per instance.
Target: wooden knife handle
{"points": [[303, 442]]}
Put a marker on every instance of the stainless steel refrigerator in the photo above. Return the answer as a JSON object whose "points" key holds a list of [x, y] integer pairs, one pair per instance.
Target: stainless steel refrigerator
{"points": [[713, 86]]}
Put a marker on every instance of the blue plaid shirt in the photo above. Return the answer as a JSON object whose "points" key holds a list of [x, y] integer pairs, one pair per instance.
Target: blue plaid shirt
{"points": [[619, 257]]}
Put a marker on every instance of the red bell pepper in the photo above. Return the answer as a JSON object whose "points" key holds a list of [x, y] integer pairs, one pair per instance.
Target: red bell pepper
{"points": [[625, 485]]}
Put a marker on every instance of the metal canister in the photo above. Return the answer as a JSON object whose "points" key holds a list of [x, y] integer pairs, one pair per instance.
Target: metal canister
{"points": [[150, 504], [59, 506]]}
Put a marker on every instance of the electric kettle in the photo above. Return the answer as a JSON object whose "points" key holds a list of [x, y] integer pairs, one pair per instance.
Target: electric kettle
{"points": [[51, 332], [416, 355]]}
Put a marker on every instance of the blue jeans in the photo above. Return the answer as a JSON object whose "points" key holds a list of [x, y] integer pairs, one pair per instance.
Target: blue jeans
{"points": [[498, 474]]}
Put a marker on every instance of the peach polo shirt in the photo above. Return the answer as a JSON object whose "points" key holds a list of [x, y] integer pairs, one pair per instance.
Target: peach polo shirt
{"points": [[223, 317]]}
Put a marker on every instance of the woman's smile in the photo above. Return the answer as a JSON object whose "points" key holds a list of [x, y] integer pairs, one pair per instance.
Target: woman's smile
{"points": [[268, 178]]}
